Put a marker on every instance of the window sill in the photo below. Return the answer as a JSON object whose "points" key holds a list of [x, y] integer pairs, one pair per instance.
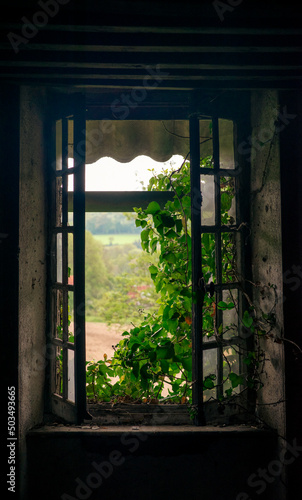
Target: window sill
{"points": [[94, 430], [169, 414]]}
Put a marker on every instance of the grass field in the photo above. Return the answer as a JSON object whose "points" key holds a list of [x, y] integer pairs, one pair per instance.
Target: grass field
{"points": [[117, 239]]}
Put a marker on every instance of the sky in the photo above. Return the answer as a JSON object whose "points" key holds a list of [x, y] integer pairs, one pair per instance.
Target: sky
{"points": [[107, 174]]}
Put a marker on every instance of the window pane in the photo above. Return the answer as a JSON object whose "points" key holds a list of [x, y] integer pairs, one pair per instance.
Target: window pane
{"points": [[70, 142], [70, 317], [59, 145], [208, 200], [58, 311], [70, 258], [230, 364], [230, 315], [59, 371], [226, 143], [208, 318], [206, 140], [59, 189], [228, 200], [228, 257], [59, 259], [71, 379], [70, 199], [208, 257], [210, 372]]}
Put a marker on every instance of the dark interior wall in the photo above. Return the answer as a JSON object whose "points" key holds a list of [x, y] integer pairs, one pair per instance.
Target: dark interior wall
{"points": [[144, 464], [9, 226], [9, 246], [32, 263], [291, 199]]}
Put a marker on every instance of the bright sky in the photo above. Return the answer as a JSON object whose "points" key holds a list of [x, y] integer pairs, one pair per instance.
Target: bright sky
{"points": [[107, 174]]}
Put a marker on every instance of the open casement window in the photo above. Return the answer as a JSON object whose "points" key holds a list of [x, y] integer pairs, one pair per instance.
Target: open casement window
{"points": [[67, 293], [214, 348], [216, 236]]}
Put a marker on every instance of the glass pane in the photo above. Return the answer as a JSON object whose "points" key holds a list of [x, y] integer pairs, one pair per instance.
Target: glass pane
{"points": [[71, 379], [59, 371], [230, 314], [59, 189], [228, 257], [59, 259], [70, 143], [210, 373], [228, 200], [226, 143], [70, 199], [231, 363], [59, 145], [206, 142], [70, 259], [208, 318], [58, 312], [208, 257], [70, 317], [208, 200]]}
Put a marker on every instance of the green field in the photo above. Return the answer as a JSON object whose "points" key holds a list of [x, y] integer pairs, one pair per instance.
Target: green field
{"points": [[117, 239]]}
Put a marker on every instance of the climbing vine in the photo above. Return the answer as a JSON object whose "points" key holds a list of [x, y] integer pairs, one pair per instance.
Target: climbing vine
{"points": [[153, 361]]}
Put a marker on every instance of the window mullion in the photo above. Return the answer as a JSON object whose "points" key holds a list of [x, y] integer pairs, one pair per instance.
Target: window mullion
{"points": [[197, 288], [79, 261]]}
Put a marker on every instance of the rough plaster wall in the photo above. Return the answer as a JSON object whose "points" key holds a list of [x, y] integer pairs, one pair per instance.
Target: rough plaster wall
{"points": [[267, 249], [32, 275]]}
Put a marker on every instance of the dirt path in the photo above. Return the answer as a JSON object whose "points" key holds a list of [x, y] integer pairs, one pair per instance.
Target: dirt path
{"points": [[100, 338]]}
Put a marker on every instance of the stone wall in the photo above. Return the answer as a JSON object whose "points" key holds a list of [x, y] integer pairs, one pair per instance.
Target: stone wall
{"points": [[267, 254], [32, 263]]}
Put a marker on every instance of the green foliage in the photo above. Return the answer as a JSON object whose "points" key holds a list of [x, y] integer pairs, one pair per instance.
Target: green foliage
{"points": [[155, 356], [110, 223], [118, 282]]}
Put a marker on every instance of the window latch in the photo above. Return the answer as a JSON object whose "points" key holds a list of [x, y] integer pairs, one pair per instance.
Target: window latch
{"points": [[209, 288]]}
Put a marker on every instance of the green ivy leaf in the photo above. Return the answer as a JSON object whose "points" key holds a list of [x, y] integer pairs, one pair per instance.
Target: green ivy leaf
{"points": [[170, 257], [247, 319], [222, 305], [145, 234], [165, 352], [153, 208], [235, 379], [164, 365], [144, 371], [208, 382], [153, 270], [187, 363]]}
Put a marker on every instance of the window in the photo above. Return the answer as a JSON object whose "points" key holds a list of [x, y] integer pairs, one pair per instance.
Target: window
{"points": [[217, 223]]}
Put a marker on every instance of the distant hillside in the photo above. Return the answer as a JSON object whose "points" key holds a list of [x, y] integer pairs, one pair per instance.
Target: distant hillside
{"points": [[111, 223]]}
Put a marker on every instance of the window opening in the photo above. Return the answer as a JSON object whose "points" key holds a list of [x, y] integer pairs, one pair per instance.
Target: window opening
{"points": [[215, 266]]}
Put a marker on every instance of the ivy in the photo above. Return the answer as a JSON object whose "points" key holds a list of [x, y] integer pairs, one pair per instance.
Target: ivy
{"points": [[153, 361]]}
